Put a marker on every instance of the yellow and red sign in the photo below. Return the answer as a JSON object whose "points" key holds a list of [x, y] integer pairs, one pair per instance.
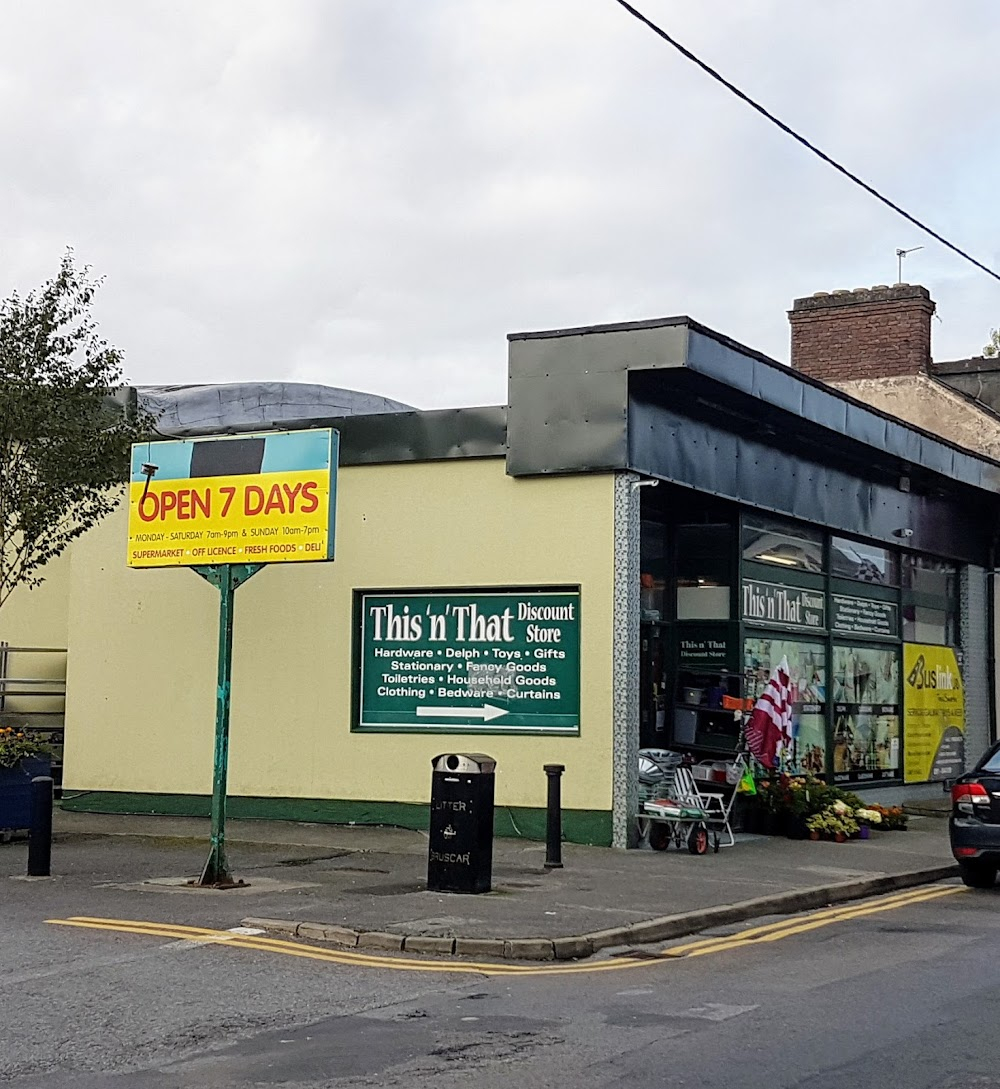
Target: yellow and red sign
{"points": [[260, 498], [933, 714]]}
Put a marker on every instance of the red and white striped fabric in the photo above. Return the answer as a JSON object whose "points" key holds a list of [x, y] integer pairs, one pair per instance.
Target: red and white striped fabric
{"points": [[769, 728]]}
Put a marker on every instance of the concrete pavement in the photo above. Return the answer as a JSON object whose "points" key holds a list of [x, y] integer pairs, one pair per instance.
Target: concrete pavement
{"points": [[365, 887]]}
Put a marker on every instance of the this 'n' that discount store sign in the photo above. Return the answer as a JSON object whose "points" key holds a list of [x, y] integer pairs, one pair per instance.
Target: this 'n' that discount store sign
{"points": [[480, 661]]}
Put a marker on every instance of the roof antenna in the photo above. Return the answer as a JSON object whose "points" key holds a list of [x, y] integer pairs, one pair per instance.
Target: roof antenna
{"points": [[900, 254]]}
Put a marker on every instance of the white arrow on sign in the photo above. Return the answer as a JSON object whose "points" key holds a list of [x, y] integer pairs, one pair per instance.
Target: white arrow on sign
{"points": [[487, 712]]}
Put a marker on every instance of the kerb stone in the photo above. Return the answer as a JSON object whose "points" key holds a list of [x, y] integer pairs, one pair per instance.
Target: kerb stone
{"points": [[378, 939]]}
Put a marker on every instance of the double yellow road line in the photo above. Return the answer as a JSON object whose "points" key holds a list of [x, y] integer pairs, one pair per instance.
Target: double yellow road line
{"points": [[770, 932]]}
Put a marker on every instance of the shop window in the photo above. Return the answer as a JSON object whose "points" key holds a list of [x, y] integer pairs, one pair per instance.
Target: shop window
{"points": [[866, 719], [807, 678], [705, 707], [704, 572], [930, 601], [863, 562], [781, 545], [653, 568], [653, 695]]}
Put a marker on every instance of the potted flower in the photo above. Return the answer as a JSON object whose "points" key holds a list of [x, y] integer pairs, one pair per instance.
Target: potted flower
{"points": [[22, 757], [867, 819], [843, 826], [783, 802], [835, 822]]}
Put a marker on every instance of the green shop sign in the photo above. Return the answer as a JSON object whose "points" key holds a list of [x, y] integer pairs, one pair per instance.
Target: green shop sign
{"points": [[788, 606], [705, 644], [864, 616], [479, 661]]}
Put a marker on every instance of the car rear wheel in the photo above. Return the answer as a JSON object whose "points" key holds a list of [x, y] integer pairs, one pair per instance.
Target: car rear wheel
{"points": [[978, 875]]}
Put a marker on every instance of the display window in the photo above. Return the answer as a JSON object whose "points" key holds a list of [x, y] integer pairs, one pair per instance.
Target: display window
{"points": [[930, 601], [781, 545], [653, 564], [863, 562], [704, 572], [866, 713], [807, 680]]}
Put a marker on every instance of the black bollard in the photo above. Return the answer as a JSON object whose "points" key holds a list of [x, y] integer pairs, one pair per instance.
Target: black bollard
{"points": [[40, 832], [553, 823]]}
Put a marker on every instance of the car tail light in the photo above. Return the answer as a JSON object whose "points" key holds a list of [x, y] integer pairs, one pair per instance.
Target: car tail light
{"points": [[966, 796], [965, 852]]}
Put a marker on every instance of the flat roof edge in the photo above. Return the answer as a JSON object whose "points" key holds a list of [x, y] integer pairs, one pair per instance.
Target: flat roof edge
{"points": [[607, 327]]}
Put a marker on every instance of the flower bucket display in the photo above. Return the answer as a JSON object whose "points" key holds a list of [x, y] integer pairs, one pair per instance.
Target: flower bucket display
{"points": [[15, 791], [835, 821], [22, 758], [797, 806]]}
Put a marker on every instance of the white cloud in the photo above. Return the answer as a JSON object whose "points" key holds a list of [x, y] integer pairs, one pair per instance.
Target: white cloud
{"points": [[372, 193]]}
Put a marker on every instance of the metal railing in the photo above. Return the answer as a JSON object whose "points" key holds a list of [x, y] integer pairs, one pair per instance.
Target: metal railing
{"points": [[21, 692]]}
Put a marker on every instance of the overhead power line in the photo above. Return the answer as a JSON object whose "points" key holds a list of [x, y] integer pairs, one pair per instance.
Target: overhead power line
{"points": [[660, 32]]}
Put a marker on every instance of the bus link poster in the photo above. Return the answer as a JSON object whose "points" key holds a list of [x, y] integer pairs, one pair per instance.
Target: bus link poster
{"points": [[464, 662], [933, 714], [257, 498]]}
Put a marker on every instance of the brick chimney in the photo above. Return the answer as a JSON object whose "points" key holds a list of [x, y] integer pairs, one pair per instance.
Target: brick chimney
{"points": [[873, 332]]}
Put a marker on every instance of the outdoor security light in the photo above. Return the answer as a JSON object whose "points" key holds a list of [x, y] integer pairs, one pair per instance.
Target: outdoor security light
{"points": [[147, 469]]}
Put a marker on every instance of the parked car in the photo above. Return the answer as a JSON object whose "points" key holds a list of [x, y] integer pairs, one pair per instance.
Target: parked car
{"points": [[974, 825]]}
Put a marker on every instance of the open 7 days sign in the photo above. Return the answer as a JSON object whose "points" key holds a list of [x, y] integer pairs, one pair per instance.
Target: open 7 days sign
{"points": [[259, 498], [469, 661]]}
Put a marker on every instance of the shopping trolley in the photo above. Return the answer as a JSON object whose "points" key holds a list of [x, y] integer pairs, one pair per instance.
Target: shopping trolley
{"points": [[674, 809]]}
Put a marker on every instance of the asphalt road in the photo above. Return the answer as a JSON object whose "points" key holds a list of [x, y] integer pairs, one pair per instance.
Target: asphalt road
{"points": [[903, 991]]}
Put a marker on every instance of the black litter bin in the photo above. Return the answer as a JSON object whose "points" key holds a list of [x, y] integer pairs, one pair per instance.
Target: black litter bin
{"points": [[460, 857]]}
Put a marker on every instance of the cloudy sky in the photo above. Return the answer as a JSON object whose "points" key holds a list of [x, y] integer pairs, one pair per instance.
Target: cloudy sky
{"points": [[372, 193]]}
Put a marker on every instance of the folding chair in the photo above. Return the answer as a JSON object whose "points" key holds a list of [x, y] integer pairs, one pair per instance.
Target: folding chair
{"points": [[718, 806]]}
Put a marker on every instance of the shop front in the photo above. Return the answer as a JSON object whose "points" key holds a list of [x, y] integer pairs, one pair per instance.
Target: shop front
{"points": [[787, 522], [725, 599]]}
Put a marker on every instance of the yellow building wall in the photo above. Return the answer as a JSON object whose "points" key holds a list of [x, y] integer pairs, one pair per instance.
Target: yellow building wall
{"points": [[142, 673], [38, 617]]}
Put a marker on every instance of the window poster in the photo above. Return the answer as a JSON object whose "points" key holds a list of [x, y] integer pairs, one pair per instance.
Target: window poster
{"points": [[934, 713], [866, 718], [807, 678]]}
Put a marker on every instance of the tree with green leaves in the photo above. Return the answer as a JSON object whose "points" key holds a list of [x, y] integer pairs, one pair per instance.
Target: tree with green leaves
{"points": [[993, 348], [65, 429]]}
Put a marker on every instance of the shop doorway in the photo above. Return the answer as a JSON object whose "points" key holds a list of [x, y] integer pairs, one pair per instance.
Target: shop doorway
{"points": [[653, 681]]}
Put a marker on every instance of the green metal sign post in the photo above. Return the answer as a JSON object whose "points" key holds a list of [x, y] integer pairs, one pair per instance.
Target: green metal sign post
{"points": [[213, 503], [227, 577]]}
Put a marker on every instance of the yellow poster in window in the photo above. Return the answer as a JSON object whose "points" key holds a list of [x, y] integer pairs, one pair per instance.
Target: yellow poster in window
{"points": [[933, 714]]}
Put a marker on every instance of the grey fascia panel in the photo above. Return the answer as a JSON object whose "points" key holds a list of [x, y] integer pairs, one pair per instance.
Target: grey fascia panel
{"points": [[606, 327], [937, 458], [817, 409], [903, 443], [567, 423], [669, 445], [865, 427], [774, 388], [831, 409], [435, 435], [708, 355], [599, 350]]}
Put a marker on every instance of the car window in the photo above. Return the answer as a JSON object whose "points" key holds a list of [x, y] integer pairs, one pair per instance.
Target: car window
{"points": [[992, 763]]}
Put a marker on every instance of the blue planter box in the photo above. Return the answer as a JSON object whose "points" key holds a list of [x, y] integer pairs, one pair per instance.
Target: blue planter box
{"points": [[15, 791]]}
